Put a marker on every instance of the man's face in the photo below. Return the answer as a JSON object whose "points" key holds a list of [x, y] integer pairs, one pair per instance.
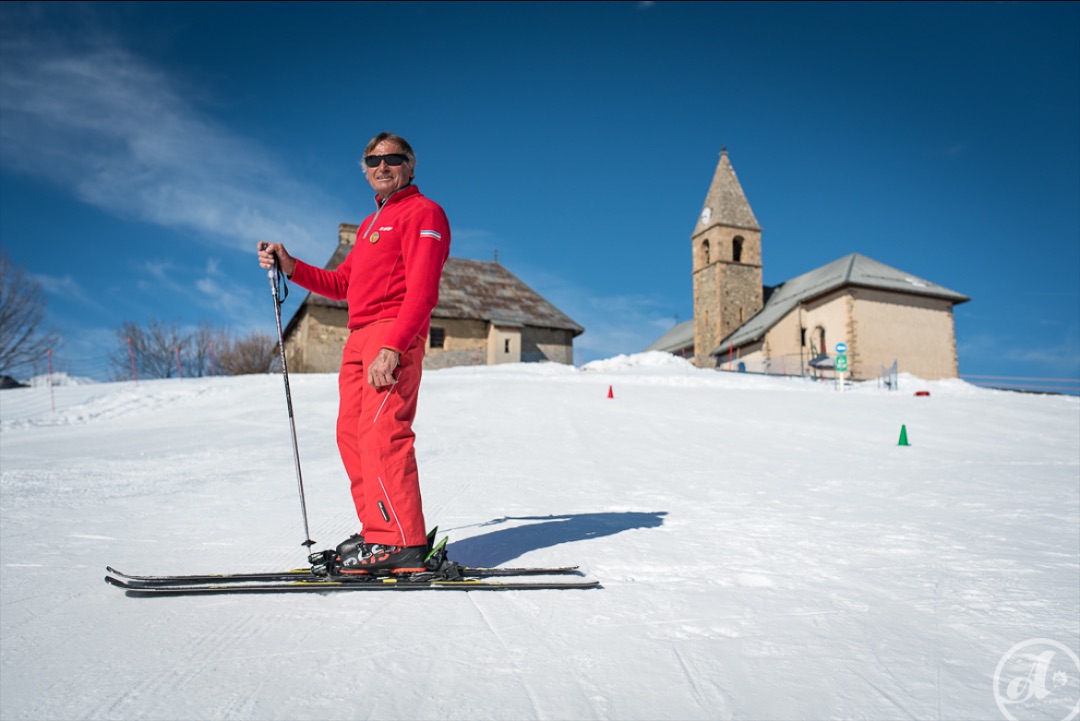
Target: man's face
{"points": [[385, 179]]}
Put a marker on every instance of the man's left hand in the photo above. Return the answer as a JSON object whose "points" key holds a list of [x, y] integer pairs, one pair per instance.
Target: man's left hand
{"points": [[381, 370]]}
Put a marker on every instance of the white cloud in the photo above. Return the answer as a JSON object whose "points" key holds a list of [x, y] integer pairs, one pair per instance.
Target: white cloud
{"points": [[121, 135], [66, 289], [201, 289]]}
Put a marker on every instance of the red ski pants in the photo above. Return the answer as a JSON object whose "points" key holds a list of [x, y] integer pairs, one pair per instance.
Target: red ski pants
{"points": [[375, 439]]}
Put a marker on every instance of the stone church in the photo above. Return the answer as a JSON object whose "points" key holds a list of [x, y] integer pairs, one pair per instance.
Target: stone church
{"points": [[883, 315], [485, 316]]}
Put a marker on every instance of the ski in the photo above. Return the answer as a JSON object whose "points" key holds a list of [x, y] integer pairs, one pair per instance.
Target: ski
{"points": [[305, 574], [326, 574], [336, 584]]}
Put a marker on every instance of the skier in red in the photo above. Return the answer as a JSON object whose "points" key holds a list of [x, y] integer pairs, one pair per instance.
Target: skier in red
{"points": [[390, 280]]}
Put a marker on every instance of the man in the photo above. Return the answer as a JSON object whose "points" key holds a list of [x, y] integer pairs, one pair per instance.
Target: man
{"points": [[390, 280]]}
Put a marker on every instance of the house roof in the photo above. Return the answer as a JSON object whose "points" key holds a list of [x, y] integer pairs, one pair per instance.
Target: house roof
{"points": [[677, 339], [471, 290], [485, 290], [851, 270]]}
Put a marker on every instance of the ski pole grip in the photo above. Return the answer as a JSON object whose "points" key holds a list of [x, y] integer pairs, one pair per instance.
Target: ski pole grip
{"points": [[273, 270]]}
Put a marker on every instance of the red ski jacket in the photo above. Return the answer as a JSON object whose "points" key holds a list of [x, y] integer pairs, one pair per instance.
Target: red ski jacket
{"points": [[393, 271]]}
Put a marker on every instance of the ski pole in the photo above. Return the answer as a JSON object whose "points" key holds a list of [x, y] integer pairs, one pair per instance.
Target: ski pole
{"points": [[275, 280]]}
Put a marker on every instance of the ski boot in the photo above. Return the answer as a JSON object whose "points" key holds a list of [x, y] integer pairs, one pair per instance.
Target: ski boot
{"points": [[328, 563]]}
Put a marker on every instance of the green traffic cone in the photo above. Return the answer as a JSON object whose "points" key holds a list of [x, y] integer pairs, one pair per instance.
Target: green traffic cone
{"points": [[903, 436]]}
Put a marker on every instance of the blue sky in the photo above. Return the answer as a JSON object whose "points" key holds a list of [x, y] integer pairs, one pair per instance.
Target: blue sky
{"points": [[147, 147]]}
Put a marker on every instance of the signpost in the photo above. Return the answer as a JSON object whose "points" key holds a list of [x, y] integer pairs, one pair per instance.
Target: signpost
{"points": [[841, 363]]}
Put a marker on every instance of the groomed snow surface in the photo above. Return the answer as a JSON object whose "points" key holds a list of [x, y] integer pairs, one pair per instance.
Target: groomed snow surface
{"points": [[767, 549]]}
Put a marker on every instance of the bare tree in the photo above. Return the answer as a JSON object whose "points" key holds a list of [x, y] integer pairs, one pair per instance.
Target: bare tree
{"points": [[204, 349], [255, 353], [161, 350], [22, 307], [155, 350]]}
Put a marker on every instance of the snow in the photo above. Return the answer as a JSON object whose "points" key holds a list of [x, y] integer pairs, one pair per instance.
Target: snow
{"points": [[766, 547], [58, 379]]}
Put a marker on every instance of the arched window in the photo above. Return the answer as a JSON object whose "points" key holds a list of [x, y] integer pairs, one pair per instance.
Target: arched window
{"points": [[705, 251], [736, 249]]}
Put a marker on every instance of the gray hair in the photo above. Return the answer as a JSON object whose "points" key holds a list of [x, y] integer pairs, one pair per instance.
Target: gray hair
{"points": [[406, 149]]}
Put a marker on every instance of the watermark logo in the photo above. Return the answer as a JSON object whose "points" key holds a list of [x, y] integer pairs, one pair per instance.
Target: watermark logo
{"points": [[1038, 679]]}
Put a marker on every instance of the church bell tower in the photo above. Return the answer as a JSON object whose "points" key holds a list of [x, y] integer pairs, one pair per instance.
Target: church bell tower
{"points": [[726, 252]]}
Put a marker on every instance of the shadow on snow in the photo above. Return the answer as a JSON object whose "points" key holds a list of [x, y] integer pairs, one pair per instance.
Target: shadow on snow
{"points": [[498, 547]]}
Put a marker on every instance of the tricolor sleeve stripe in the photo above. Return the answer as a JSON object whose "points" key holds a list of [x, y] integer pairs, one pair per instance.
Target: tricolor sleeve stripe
{"points": [[430, 234]]}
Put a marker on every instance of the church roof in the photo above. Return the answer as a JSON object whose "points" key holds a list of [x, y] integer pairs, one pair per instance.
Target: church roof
{"points": [[676, 340], [726, 201], [851, 270]]}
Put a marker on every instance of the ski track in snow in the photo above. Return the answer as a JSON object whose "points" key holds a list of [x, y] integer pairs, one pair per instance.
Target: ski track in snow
{"points": [[767, 550]]}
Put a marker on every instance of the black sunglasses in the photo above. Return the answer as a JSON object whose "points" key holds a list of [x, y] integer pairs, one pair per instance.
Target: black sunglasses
{"points": [[392, 159]]}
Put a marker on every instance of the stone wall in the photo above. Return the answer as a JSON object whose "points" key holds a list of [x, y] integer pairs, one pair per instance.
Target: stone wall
{"points": [[540, 345], [316, 344], [726, 295], [727, 284], [465, 344]]}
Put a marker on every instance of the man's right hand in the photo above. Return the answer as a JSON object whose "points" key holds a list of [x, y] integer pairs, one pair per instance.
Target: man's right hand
{"points": [[269, 251]]}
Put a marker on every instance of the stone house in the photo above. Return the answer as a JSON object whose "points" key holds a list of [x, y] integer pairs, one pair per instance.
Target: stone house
{"points": [[882, 314], [485, 316]]}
